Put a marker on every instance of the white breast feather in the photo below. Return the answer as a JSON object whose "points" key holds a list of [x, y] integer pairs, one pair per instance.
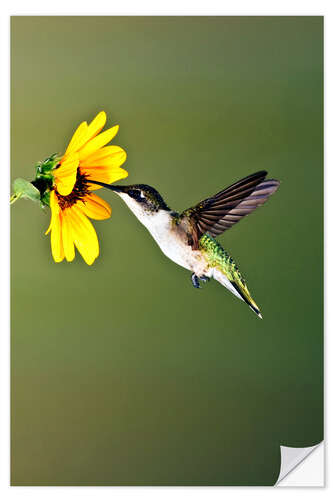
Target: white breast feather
{"points": [[159, 225]]}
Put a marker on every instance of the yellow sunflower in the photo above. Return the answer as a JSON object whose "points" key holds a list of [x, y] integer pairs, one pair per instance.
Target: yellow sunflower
{"points": [[72, 201]]}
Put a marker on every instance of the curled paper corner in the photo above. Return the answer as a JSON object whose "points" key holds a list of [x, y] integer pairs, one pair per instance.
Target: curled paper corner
{"points": [[292, 457]]}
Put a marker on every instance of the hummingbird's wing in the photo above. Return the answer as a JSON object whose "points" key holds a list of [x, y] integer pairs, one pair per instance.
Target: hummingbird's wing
{"points": [[216, 214]]}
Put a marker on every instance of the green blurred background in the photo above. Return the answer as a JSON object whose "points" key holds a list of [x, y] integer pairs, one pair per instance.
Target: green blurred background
{"points": [[123, 373]]}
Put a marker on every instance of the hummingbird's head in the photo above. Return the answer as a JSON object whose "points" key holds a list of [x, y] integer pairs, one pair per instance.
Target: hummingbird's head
{"points": [[141, 199], [146, 204], [144, 201]]}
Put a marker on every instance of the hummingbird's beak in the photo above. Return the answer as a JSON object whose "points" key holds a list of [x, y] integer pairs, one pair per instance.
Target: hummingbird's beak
{"points": [[117, 189]]}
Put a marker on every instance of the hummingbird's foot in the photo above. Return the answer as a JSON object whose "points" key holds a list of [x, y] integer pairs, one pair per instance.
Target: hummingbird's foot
{"points": [[204, 278], [195, 281]]}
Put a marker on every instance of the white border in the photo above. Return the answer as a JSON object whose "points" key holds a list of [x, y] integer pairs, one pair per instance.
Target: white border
{"points": [[144, 7], [307, 472], [170, 7]]}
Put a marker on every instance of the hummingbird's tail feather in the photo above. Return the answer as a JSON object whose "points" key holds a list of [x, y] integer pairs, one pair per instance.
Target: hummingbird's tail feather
{"points": [[225, 271], [238, 288], [245, 295]]}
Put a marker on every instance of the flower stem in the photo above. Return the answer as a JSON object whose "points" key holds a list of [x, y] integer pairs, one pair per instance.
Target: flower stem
{"points": [[15, 197]]}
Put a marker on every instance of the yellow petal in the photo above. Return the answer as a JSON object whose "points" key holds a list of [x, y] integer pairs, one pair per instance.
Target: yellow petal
{"points": [[56, 240], [49, 228], [85, 132], [66, 184], [65, 175], [84, 235], [54, 210], [94, 207], [67, 236], [109, 156], [107, 175], [98, 142], [96, 125], [78, 139]]}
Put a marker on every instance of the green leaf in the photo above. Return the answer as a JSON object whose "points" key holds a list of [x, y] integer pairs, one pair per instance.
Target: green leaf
{"points": [[24, 189]]}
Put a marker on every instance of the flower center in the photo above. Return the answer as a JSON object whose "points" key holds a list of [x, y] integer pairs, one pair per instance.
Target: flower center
{"points": [[80, 190]]}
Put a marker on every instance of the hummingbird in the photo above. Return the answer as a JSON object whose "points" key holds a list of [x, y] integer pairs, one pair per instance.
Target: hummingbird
{"points": [[188, 238]]}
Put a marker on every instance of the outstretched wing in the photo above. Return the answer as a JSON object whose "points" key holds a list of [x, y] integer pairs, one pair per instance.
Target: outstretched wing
{"points": [[218, 213]]}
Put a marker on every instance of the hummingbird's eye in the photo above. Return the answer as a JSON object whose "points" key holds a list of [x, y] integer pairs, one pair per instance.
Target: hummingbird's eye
{"points": [[136, 194]]}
